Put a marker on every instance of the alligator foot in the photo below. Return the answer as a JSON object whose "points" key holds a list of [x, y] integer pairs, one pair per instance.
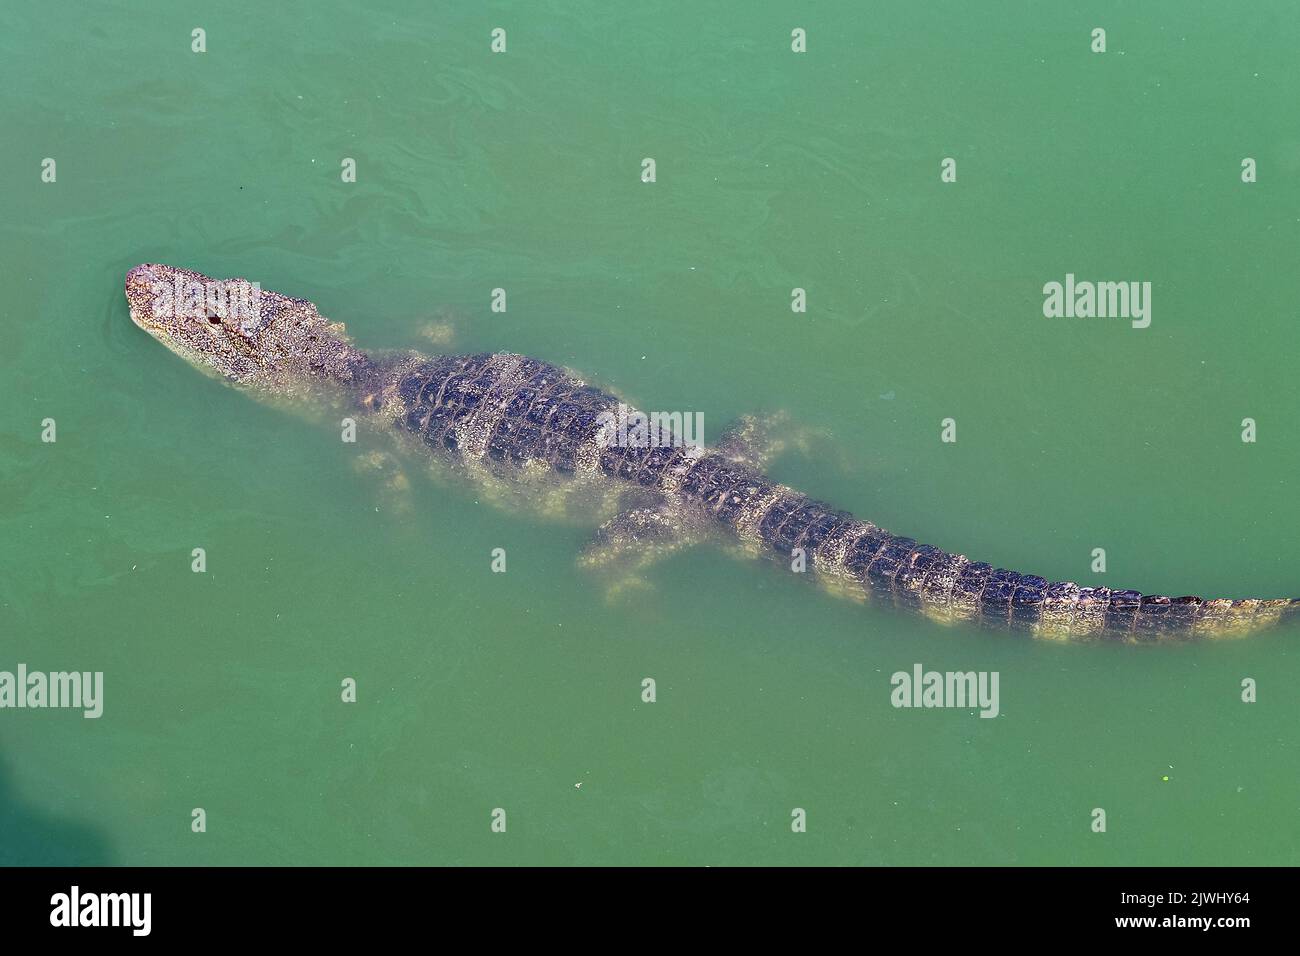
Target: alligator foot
{"points": [[756, 440], [628, 544], [395, 487], [442, 329]]}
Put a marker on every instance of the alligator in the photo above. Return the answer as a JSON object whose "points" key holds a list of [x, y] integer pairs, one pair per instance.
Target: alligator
{"points": [[516, 421]]}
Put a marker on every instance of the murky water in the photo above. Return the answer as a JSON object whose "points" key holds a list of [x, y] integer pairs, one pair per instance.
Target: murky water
{"points": [[775, 170]]}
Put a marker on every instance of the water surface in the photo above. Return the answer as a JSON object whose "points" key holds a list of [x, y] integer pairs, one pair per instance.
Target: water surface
{"points": [[774, 171]]}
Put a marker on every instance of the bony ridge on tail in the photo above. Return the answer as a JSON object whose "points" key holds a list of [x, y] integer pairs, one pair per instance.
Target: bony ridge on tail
{"points": [[508, 416]]}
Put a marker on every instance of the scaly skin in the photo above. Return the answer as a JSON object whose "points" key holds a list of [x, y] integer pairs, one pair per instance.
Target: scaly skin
{"points": [[508, 413]]}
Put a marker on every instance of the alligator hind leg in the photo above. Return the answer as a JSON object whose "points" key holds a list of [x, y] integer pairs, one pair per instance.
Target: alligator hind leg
{"points": [[756, 440], [628, 544]]}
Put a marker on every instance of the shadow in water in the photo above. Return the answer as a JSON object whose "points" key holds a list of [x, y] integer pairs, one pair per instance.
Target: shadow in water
{"points": [[30, 837]]}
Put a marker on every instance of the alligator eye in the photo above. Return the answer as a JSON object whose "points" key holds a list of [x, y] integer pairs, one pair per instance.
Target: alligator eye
{"points": [[214, 320]]}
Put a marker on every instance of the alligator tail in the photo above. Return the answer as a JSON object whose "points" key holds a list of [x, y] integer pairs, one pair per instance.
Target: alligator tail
{"points": [[882, 567]]}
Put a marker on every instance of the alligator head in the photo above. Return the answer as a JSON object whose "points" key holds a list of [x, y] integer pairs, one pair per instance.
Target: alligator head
{"points": [[237, 331]]}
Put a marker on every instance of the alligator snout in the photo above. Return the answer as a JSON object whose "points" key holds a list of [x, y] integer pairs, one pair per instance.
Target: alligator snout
{"points": [[142, 274]]}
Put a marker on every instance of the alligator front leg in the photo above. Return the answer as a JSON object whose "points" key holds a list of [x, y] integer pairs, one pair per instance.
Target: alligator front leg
{"points": [[394, 486], [443, 328]]}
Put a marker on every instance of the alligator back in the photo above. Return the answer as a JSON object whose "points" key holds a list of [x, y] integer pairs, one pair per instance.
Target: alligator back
{"points": [[505, 408]]}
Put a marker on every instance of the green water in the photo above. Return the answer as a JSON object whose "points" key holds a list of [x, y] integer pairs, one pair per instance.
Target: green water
{"points": [[775, 170]]}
